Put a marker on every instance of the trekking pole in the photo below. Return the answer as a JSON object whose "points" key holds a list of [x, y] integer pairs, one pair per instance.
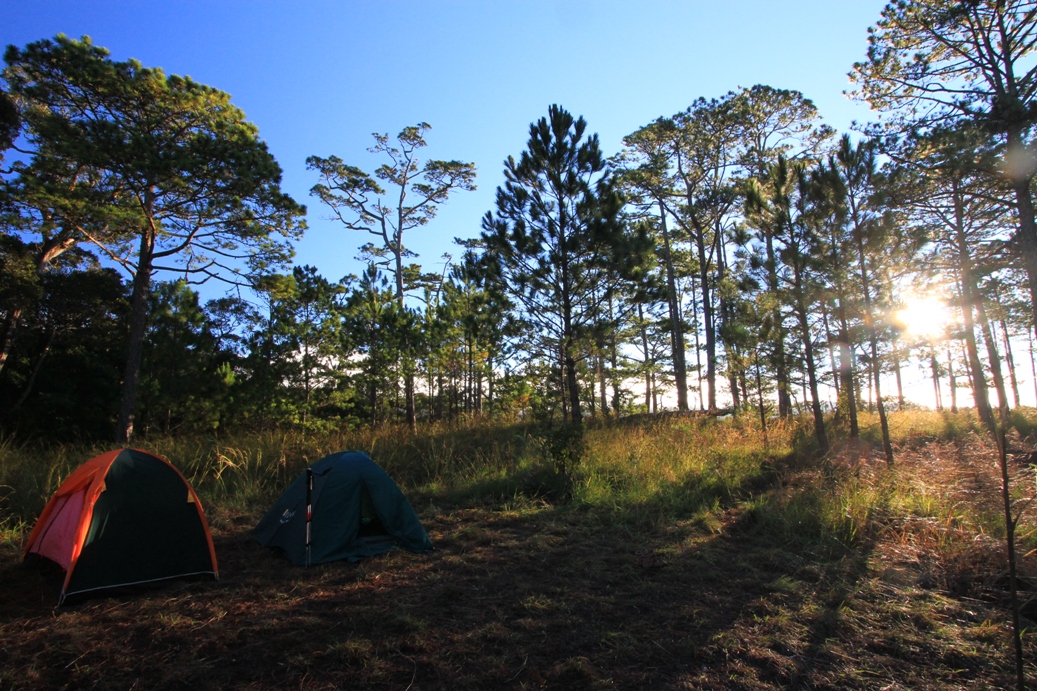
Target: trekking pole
{"points": [[309, 510]]}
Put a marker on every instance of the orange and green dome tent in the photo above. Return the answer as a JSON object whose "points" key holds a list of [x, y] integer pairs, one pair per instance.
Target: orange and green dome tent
{"points": [[123, 518]]}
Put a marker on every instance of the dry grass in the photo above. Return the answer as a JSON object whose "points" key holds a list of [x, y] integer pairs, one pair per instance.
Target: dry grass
{"points": [[690, 557]]}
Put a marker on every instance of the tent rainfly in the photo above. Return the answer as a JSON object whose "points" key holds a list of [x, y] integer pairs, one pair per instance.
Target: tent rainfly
{"points": [[342, 507], [123, 518]]}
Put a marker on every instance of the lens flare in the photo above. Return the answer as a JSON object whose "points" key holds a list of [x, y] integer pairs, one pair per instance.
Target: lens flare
{"points": [[924, 316]]}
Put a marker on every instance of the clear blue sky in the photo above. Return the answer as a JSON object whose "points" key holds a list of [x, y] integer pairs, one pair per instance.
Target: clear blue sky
{"points": [[320, 77]]}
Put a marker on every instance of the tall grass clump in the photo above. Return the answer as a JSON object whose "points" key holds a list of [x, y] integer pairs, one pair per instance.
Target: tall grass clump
{"points": [[29, 473], [643, 472], [677, 466], [833, 509], [936, 509], [646, 471], [241, 475]]}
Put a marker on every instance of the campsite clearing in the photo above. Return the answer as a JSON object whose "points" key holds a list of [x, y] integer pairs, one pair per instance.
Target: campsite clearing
{"points": [[530, 597], [685, 559]]}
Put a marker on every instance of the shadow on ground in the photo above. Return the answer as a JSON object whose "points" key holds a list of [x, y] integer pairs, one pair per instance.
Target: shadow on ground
{"points": [[535, 597]]}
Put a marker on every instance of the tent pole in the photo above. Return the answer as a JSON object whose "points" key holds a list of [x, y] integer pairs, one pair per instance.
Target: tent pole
{"points": [[309, 510]]}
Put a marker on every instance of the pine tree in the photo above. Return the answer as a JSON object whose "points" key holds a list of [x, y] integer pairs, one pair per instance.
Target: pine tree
{"points": [[415, 190], [554, 230]]}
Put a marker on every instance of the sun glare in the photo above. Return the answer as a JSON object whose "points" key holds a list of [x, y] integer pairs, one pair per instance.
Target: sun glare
{"points": [[924, 316]]}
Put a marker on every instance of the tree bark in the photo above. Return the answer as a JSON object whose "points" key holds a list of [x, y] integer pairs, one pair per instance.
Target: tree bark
{"points": [[698, 344], [897, 376], [759, 396], [831, 348], [1033, 365], [138, 327], [11, 325], [1027, 231], [808, 356], [780, 369], [869, 318], [735, 366], [968, 302], [707, 317], [648, 360], [993, 356], [1010, 359], [935, 367], [680, 367], [576, 416], [848, 391]]}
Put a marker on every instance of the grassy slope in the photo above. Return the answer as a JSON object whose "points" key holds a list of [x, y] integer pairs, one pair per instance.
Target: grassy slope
{"points": [[680, 554]]}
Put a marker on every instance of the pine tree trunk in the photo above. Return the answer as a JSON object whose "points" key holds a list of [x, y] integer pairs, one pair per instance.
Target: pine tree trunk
{"points": [[563, 382], [732, 381], [759, 395], [808, 356], [934, 366], [843, 371], [1033, 365], [489, 382], [478, 390], [899, 380], [869, 318], [831, 349], [871, 389], [1027, 230], [848, 390], [735, 366], [980, 395], [648, 359], [953, 381], [614, 362], [372, 393], [707, 317], [11, 324], [780, 369], [1010, 359], [439, 396], [591, 398], [993, 356], [138, 327], [680, 367], [698, 345], [968, 304], [574, 389]]}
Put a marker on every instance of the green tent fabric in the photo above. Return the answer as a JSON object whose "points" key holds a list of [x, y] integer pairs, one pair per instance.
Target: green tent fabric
{"points": [[357, 512]]}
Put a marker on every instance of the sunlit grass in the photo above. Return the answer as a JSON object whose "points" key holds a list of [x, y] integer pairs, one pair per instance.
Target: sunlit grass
{"points": [[643, 473], [789, 554]]}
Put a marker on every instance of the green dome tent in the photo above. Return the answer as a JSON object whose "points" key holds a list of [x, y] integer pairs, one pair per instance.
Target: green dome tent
{"points": [[342, 507]]}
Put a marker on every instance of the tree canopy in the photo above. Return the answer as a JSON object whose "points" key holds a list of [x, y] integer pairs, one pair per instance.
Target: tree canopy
{"points": [[177, 178]]}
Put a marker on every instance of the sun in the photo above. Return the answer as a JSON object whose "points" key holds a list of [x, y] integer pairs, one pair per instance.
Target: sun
{"points": [[924, 316]]}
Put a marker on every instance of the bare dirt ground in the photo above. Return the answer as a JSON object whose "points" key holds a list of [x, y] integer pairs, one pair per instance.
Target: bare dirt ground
{"points": [[541, 597], [534, 599]]}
